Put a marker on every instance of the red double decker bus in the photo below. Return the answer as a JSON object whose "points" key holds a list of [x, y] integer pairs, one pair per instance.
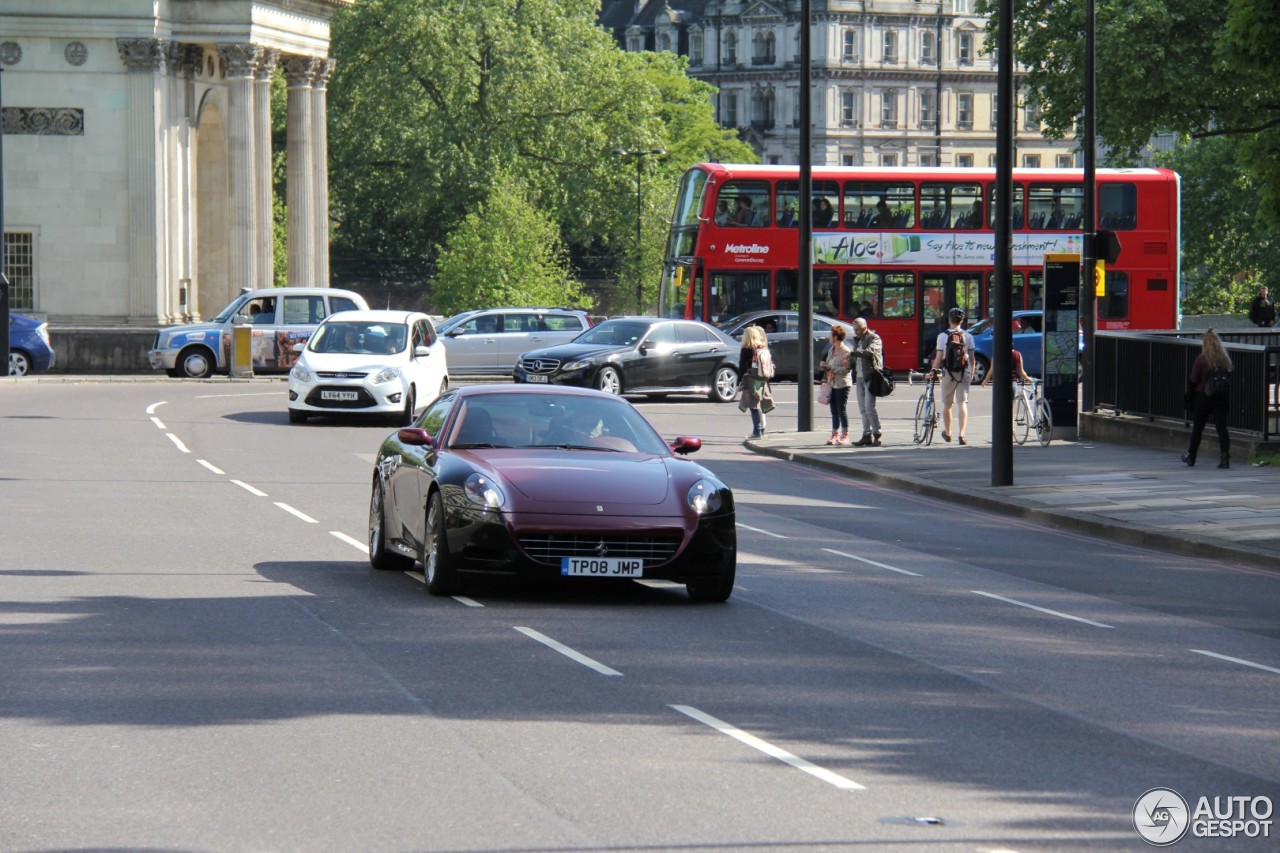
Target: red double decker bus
{"points": [[902, 246]]}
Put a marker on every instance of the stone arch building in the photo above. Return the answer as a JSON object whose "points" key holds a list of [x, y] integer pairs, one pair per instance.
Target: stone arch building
{"points": [[138, 151]]}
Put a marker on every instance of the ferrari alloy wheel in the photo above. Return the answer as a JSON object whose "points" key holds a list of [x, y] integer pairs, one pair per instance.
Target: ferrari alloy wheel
{"points": [[442, 579]]}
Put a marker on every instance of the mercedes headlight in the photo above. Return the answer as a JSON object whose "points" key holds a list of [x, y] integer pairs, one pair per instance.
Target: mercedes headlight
{"points": [[301, 373], [577, 365], [386, 375], [704, 497], [483, 492]]}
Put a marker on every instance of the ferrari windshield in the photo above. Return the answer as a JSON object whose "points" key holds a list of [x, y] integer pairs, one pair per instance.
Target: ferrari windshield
{"points": [[565, 421]]}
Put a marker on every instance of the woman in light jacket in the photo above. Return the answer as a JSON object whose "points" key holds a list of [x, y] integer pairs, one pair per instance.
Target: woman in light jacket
{"points": [[835, 370]]}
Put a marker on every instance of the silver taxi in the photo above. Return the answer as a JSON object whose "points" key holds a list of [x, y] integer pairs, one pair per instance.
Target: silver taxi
{"points": [[279, 317]]}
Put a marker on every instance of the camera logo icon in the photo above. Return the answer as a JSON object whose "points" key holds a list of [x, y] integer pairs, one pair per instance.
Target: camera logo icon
{"points": [[1161, 817]]}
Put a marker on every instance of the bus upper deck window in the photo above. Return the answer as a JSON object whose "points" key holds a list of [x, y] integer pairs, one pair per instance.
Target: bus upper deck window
{"points": [[743, 204], [879, 205], [1118, 207]]}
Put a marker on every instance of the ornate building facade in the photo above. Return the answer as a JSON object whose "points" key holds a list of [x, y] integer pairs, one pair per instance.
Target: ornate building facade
{"points": [[893, 82], [138, 153]]}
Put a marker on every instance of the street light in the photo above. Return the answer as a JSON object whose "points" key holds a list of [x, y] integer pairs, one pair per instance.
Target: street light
{"points": [[639, 154]]}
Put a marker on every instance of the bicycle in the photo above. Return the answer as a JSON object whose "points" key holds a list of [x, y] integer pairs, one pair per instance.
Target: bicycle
{"points": [[1031, 411], [926, 411]]}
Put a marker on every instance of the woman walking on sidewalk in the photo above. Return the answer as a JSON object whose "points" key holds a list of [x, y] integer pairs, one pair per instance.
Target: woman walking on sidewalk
{"points": [[835, 370], [755, 368], [1207, 394]]}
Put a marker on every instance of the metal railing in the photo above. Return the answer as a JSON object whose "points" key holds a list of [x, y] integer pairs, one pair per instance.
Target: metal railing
{"points": [[1145, 374]]}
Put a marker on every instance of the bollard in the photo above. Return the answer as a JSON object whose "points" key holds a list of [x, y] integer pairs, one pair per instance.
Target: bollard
{"points": [[241, 352]]}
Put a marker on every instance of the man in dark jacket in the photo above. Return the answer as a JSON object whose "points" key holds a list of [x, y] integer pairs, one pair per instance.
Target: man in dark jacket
{"points": [[1263, 311]]}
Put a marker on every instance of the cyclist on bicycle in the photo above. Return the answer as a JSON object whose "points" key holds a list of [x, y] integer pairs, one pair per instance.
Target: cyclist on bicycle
{"points": [[1019, 374]]}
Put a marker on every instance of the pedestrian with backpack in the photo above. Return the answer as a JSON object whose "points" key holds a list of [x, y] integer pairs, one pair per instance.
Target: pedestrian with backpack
{"points": [[953, 360], [1209, 394]]}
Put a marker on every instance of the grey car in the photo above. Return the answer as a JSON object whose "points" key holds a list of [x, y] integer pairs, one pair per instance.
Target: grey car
{"points": [[490, 341], [783, 331]]}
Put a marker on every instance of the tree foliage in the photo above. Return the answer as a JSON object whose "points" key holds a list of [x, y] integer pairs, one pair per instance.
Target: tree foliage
{"points": [[1229, 246], [505, 252], [1197, 67], [435, 103]]}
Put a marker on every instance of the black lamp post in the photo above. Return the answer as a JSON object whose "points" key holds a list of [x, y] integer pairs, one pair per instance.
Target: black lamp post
{"points": [[4, 282], [639, 154]]}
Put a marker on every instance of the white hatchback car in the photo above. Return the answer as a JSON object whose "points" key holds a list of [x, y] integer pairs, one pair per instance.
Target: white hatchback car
{"points": [[368, 362]]}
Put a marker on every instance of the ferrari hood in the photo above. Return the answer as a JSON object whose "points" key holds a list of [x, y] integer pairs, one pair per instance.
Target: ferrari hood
{"points": [[589, 477]]}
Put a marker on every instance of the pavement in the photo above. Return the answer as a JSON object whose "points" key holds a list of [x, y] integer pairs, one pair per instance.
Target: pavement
{"points": [[1137, 495]]}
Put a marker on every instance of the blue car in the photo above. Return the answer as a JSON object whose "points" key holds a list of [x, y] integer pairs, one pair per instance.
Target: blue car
{"points": [[1028, 340], [29, 349]]}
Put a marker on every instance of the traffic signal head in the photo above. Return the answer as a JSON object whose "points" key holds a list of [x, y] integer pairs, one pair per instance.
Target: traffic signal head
{"points": [[1107, 246]]}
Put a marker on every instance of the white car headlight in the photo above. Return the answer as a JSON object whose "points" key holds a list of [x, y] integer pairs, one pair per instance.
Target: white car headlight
{"points": [[386, 375], [301, 373], [484, 492], [576, 365], [704, 497]]}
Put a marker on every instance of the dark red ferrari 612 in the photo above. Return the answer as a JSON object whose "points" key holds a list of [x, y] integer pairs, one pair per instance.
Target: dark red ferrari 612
{"points": [[532, 481]]}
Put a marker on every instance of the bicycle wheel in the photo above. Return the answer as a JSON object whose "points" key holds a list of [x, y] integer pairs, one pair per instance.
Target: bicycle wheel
{"points": [[930, 421], [1022, 419], [922, 409], [1044, 422]]}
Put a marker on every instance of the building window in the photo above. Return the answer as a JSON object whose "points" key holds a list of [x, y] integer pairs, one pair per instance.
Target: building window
{"points": [[889, 108], [929, 159], [964, 49], [928, 109], [848, 160], [695, 49], [848, 109], [728, 106], [964, 111], [991, 161], [1031, 161], [995, 112], [964, 161], [850, 50], [762, 109], [20, 269], [1031, 117], [888, 159], [731, 49], [928, 48], [763, 49], [1064, 161], [634, 44], [890, 47]]}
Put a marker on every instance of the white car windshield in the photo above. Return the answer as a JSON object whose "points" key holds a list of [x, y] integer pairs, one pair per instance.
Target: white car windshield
{"points": [[359, 337]]}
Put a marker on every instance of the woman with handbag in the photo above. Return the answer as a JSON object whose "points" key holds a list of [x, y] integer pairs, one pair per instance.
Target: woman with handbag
{"points": [[755, 368], [835, 378], [868, 352]]}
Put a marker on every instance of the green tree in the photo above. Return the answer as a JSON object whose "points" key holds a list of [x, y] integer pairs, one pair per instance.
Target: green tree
{"points": [[432, 100], [504, 252], [1229, 246]]}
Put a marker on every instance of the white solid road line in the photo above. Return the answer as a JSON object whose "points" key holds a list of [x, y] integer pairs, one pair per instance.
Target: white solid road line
{"points": [[298, 513], [770, 750], [178, 443], [212, 467], [1240, 661], [1041, 609], [352, 541], [871, 562], [250, 489], [568, 652], [758, 530]]}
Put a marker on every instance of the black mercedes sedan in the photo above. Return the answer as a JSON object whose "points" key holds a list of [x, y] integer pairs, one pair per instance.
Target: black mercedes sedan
{"points": [[543, 482], [640, 355]]}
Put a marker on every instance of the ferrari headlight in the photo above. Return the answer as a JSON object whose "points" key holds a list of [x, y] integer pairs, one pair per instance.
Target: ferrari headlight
{"points": [[704, 497], [301, 373], [386, 375], [484, 492]]}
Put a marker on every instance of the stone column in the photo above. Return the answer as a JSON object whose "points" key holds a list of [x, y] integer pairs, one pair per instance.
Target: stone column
{"points": [[240, 61], [182, 61], [300, 171], [263, 172], [320, 138], [146, 98]]}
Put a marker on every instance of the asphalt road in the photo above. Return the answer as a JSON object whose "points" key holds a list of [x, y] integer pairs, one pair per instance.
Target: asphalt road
{"points": [[197, 657]]}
